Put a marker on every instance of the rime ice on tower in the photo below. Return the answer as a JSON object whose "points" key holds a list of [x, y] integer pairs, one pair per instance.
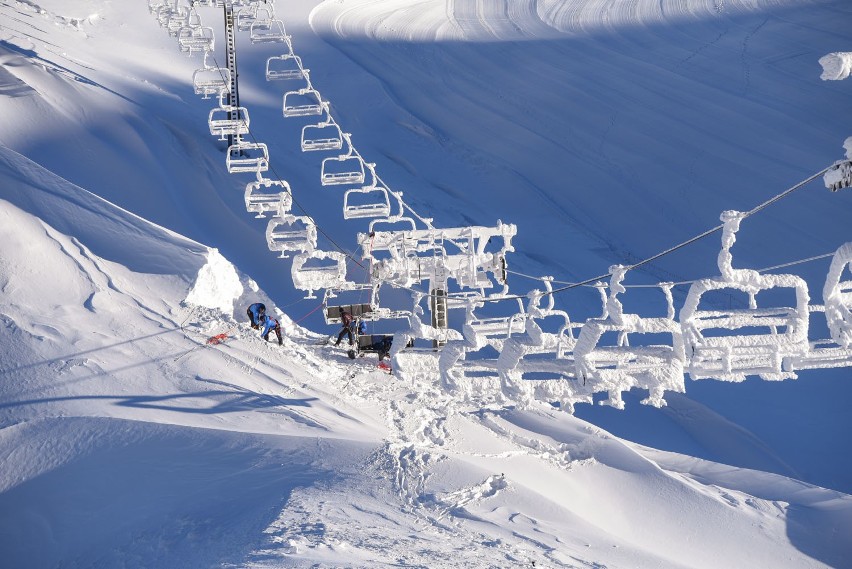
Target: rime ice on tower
{"points": [[729, 344], [618, 368]]}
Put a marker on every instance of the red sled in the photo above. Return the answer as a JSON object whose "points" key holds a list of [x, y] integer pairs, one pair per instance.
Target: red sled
{"points": [[217, 339]]}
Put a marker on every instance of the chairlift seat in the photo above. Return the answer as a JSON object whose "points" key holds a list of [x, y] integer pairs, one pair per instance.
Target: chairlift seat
{"points": [[247, 157], [321, 136], [291, 233], [267, 31], [224, 126], [196, 40], [329, 270], [211, 81], [280, 68], [268, 196], [301, 109], [379, 206], [335, 174], [333, 313]]}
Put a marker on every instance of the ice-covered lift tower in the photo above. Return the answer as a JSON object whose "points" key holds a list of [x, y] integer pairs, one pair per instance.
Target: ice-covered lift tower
{"points": [[411, 256]]}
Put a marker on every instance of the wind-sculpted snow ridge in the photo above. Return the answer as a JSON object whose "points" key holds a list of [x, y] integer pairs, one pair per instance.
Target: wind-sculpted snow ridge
{"points": [[500, 20]]}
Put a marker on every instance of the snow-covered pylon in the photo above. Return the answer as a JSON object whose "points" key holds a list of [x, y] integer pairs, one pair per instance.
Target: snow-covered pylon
{"points": [[729, 344], [621, 367], [839, 176]]}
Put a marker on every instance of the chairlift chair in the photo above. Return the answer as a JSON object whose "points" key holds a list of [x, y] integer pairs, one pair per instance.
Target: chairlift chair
{"points": [[332, 312], [730, 344], [343, 169], [166, 12], [328, 270], [196, 40], [267, 31], [247, 157], [291, 233], [284, 67], [619, 366], [304, 102], [176, 21], [376, 202], [228, 121], [266, 195], [211, 81], [321, 136], [245, 17]]}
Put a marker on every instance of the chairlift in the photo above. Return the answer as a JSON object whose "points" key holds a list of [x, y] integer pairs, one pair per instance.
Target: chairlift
{"points": [[176, 21], [247, 157], [267, 31], [211, 81], [316, 270], [332, 311], [729, 344], [266, 195], [374, 202], [245, 17], [321, 136], [291, 233], [166, 12], [284, 67], [227, 121], [196, 40], [304, 102], [620, 367], [394, 220], [343, 169]]}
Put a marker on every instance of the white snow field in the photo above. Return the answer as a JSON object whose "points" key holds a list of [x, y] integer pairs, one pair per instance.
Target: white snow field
{"points": [[606, 132]]}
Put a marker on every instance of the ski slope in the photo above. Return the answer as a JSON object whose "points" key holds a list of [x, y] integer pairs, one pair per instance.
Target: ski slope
{"points": [[605, 135]]}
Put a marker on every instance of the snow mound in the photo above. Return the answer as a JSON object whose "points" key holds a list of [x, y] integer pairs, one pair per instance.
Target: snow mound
{"points": [[836, 66], [217, 285]]}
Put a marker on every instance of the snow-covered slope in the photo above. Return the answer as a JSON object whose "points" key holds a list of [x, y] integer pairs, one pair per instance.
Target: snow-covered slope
{"points": [[126, 440]]}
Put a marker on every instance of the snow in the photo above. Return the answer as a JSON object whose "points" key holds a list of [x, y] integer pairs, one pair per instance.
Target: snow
{"points": [[217, 284], [600, 133]]}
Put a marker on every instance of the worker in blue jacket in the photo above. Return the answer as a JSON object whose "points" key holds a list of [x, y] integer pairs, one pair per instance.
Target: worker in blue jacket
{"points": [[256, 313], [268, 325]]}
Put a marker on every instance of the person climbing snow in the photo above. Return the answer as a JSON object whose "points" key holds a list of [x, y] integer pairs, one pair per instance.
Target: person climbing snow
{"points": [[348, 327], [256, 312], [268, 325], [383, 346]]}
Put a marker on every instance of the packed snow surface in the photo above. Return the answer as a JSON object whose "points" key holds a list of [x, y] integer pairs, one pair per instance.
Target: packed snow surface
{"points": [[144, 424]]}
